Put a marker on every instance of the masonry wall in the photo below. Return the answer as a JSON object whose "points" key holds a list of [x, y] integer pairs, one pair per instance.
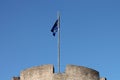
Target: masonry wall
{"points": [[44, 72], [81, 73], [72, 72]]}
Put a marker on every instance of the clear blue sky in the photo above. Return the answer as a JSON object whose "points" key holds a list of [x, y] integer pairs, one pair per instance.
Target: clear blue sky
{"points": [[90, 35]]}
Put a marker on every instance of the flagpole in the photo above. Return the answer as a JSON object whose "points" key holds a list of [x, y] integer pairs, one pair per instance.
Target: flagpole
{"points": [[58, 42]]}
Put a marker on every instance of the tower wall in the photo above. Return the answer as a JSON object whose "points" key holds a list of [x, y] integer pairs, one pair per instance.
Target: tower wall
{"points": [[44, 72], [72, 72], [81, 73]]}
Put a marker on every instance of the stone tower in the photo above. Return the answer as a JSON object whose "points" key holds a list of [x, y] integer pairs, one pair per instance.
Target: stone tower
{"points": [[46, 72]]}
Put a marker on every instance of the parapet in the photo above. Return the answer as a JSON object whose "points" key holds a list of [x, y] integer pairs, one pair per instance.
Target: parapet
{"points": [[81, 73], [43, 72], [72, 72]]}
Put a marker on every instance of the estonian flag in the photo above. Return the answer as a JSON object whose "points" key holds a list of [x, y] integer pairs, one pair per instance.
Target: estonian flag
{"points": [[55, 28]]}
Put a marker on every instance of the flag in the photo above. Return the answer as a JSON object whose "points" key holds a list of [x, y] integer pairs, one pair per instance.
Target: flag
{"points": [[55, 28]]}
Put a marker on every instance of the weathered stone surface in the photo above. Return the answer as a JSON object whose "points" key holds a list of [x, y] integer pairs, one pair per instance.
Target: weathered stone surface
{"points": [[59, 76], [81, 73], [44, 72], [72, 72]]}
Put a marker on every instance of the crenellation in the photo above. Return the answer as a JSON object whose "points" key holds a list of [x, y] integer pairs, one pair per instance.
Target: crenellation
{"points": [[46, 72]]}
